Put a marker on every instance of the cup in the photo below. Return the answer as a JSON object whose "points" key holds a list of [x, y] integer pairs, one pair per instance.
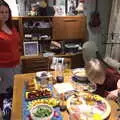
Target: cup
{"points": [[42, 81]]}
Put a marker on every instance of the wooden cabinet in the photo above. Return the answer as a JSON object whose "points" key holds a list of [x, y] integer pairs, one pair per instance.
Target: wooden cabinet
{"points": [[38, 29], [63, 28], [69, 28]]}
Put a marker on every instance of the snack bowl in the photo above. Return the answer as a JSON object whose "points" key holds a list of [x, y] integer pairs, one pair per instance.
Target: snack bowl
{"points": [[42, 112], [80, 79], [42, 77], [43, 74]]}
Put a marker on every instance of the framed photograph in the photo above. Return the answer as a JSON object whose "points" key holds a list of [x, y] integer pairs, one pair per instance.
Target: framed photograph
{"points": [[59, 10], [71, 7], [31, 48], [60, 7]]}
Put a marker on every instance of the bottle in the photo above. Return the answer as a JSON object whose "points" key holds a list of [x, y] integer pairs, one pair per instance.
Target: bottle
{"points": [[62, 102], [59, 71]]}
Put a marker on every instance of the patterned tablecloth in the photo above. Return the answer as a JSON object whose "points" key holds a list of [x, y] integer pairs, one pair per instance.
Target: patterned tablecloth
{"points": [[26, 112]]}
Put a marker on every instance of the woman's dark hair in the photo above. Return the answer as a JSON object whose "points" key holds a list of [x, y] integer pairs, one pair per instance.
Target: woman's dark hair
{"points": [[9, 21]]}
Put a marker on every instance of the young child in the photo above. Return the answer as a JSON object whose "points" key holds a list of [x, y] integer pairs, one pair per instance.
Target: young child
{"points": [[107, 80]]}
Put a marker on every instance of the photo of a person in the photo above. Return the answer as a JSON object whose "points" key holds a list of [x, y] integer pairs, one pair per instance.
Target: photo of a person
{"points": [[59, 10], [59, 7], [71, 7]]}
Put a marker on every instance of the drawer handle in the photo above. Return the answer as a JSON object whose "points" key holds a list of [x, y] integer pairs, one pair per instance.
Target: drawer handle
{"points": [[70, 20]]}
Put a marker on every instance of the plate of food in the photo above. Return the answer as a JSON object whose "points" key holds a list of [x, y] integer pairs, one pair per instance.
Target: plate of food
{"points": [[50, 101], [36, 94], [83, 85], [89, 105], [42, 112]]}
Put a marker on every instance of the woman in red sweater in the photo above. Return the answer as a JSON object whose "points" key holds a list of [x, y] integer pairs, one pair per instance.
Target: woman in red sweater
{"points": [[9, 48]]}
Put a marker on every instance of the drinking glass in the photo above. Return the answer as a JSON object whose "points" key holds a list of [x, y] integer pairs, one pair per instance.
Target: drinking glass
{"points": [[67, 70]]}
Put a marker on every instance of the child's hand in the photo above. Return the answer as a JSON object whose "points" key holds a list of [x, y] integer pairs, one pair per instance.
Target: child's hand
{"points": [[113, 95], [118, 84], [75, 115], [0, 79]]}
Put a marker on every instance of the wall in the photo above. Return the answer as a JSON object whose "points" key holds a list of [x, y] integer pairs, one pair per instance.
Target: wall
{"points": [[13, 6], [99, 35]]}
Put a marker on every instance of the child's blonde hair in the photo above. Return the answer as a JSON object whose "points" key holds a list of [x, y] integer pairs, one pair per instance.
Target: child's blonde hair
{"points": [[95, 71]]}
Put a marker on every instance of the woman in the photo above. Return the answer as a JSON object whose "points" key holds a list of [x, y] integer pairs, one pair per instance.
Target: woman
{"points": [[9, 48], [106, 79]]}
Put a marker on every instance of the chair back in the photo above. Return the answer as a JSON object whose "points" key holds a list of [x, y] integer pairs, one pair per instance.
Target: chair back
{"points": [[35, 64]]}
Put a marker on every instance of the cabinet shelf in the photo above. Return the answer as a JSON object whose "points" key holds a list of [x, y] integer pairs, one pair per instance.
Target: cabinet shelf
{"points": [[38, 30]]}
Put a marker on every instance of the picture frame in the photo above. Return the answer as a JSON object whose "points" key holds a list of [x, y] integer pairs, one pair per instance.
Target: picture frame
{"points": [[31, 48], [59, 10], [60, 7], [71, 7]]}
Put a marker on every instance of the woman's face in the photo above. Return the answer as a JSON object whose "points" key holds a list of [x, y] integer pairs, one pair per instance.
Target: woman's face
{"points": [[4, 13]]}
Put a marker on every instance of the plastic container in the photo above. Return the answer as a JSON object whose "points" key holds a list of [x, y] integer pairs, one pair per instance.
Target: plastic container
{"points": [[60, 71]]}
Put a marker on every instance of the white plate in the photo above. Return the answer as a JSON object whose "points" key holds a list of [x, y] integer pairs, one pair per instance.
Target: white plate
{"points": [[89, 108]]}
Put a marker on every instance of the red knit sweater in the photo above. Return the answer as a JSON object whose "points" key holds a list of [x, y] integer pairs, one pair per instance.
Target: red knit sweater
{"points": [[9, 49], [112, 77]]}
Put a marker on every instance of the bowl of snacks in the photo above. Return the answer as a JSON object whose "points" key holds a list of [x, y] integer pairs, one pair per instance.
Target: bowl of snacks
{"points": [[79, 75], [42, 112], [42, 77]]}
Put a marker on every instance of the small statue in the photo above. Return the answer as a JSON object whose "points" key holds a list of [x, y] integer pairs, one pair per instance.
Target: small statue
{"points": [[33, 11]]}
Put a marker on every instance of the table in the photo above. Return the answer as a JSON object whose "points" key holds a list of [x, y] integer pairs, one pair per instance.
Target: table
{"points": [[18, 93]]}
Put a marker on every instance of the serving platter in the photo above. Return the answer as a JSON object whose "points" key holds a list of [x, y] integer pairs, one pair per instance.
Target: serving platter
{"points": [[89, 105]]}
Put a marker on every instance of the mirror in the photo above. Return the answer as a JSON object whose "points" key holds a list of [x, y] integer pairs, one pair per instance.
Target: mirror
{"points": [[49, 7]]}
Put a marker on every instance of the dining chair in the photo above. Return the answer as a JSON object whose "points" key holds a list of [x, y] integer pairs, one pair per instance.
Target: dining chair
{"points": [[35, 64]]}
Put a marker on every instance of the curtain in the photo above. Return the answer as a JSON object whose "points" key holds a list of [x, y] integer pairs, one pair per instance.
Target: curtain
{"points": [[113, 42]]}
